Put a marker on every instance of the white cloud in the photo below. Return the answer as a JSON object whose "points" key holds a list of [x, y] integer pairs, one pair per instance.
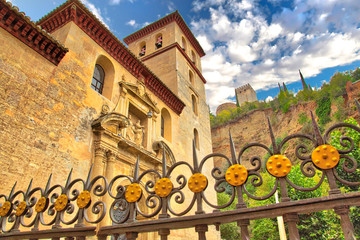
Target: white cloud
{"points": [[171, 6], [145, 24], [241, 53], [200, 4], [205, 43], [132, 23], [96, 11], [114, 2], [135, 25], [117, 2], [245, 44], [269, 98]]}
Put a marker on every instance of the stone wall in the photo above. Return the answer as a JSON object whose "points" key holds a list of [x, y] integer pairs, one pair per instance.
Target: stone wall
{"points": [[225, 106], [47, 112]]}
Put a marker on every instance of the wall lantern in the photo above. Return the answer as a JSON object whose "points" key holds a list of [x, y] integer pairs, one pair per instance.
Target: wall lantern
{"points": [[149, 114]]}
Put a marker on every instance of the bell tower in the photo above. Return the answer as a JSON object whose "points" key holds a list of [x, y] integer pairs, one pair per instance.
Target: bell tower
{"points": [[171, 51]]}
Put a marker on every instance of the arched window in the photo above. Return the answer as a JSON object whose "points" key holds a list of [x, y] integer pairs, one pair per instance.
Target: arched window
{"points": [[193, 57], [103, 77], [162, 132], [183, 43], [196, 139], [194, 104], [159, 40], [191, 78], [165, 124], [142, 49], [97, 82]]}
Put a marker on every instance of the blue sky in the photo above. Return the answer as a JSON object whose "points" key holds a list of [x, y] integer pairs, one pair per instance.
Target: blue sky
{"points": [[246, 41]]}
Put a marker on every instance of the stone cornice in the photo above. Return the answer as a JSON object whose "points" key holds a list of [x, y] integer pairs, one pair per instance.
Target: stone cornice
{"points": [[172, 17], [74, 10], [21, 27], [161, 50]]}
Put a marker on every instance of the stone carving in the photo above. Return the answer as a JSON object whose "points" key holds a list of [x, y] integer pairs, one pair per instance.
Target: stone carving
{"points": [[139, 133], [141, 89], [135, 132], [105, 109], [130, 130]]}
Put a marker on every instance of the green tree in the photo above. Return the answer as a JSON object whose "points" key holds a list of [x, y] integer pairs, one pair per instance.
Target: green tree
{"points": [[355, 74], [228, 231], [265, 229], [341, 112], [323, 225], [352, 177], [323, 110], [338, 82]]}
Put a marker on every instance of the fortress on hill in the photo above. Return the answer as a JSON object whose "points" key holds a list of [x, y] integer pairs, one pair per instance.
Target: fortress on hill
{"points": [[243, 94], [246, 93]]}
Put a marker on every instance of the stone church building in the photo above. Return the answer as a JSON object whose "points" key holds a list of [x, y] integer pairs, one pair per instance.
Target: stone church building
{"points": [[73, 95]]}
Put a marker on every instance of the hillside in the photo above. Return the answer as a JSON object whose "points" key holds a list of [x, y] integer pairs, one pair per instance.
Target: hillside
{"points": [[252, 127]]}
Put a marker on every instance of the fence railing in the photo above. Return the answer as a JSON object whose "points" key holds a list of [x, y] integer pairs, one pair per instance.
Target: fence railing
{"points": [[75, 209]]}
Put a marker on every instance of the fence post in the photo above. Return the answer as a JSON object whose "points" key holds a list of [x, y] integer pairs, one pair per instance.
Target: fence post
{"points": [[243, 224], [101, 237], [164, 233], [346, 224], [291, 219], [201, 230], [131, 235]]}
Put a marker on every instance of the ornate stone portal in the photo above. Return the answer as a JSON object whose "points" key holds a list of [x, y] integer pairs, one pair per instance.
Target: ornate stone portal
{"points": [[126, 132]]}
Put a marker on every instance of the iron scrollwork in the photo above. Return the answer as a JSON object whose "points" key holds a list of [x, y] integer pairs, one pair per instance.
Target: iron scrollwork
{"points": [[156, 193]]}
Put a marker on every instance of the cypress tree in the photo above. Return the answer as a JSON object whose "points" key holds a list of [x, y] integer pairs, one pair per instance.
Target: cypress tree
{"points": [[304, 85], [284, 87]]}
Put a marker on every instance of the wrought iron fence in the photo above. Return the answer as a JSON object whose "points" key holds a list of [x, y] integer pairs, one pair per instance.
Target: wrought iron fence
{"points": [[79, 205]]}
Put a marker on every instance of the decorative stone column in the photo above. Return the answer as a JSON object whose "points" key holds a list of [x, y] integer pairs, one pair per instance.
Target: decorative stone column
{"points": [[98, 170], [122, 108], [109, 174], [149, 134], [99, 161]]}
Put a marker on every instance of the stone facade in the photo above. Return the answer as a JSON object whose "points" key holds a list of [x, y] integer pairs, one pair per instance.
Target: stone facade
{"points": [[51, 120], [244, 94]]}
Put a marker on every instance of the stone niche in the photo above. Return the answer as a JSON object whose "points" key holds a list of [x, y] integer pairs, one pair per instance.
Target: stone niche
{"points": [[137, 130]]}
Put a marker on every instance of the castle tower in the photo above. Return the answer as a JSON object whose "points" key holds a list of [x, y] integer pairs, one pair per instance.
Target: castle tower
{"points": [[244, 94]]}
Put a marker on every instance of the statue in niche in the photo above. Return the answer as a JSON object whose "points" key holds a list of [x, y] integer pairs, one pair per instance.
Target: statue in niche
{"points": [[135, 132], [138, 133], [130, 130]]}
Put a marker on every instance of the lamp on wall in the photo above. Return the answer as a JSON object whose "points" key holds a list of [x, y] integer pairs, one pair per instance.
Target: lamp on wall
{"points": [[149, 114]]}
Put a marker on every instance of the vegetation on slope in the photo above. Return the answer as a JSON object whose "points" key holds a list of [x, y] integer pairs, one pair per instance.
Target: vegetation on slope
{"points": [[329, 93], [323, 225]]}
